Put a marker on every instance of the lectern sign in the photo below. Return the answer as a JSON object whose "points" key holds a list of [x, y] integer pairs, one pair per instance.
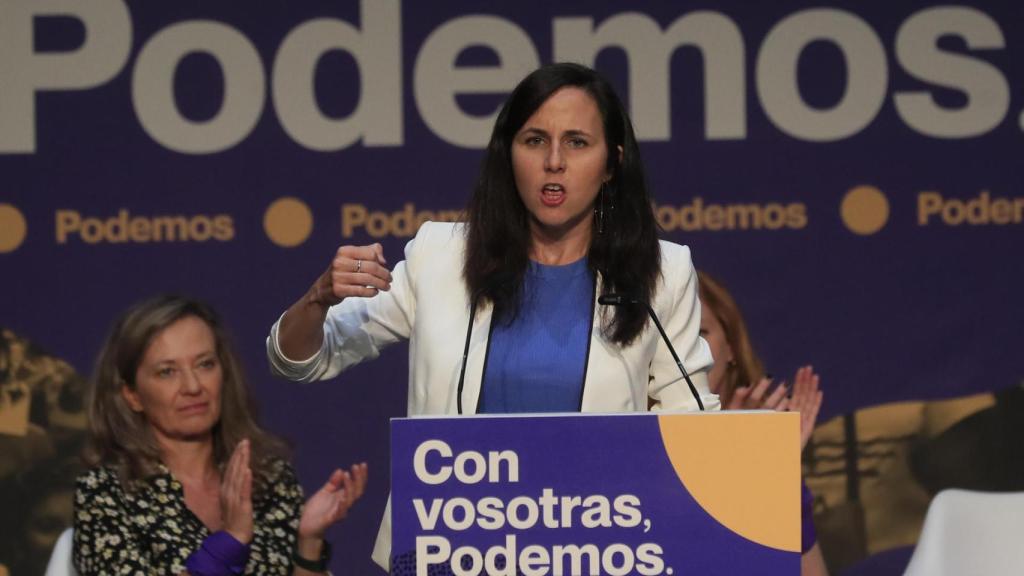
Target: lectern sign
{"points": [[714, 493]]}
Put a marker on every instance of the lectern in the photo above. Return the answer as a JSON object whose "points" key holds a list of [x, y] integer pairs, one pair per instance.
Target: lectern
{"points": [[589, 494]]}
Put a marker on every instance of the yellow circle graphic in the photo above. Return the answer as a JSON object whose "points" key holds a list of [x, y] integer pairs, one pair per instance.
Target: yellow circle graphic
{"points": [[288, 222], [12, 228], [744, 472], [864, 210]]}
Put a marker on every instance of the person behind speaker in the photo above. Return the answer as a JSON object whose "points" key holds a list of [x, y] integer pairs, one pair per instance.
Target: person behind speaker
{"points": [[738, 378]]}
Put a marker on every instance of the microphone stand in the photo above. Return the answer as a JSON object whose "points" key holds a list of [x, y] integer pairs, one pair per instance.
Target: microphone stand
{"points": [[621, 300]]}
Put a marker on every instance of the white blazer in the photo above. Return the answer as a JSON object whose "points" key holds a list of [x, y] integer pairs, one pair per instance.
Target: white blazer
{"points": [[428, 304]]}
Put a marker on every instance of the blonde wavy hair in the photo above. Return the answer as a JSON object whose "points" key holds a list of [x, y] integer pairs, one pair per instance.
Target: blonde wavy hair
{"points": [[122, 438]]}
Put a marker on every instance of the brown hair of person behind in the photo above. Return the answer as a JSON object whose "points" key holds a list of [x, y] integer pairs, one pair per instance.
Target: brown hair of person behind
{"points": [[745, 368], [121, 438]]}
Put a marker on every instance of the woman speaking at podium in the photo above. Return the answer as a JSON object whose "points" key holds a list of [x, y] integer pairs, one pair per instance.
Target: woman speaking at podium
{"points": [[502, 312]]}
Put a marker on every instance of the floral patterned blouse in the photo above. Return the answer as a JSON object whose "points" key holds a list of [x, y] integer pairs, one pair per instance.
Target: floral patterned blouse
{"points": [[151, 531]]}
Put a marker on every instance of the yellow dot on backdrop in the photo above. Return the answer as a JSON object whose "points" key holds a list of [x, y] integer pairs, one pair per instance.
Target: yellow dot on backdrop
{"points": [[288, 222], [864, 210], [12, 228]]}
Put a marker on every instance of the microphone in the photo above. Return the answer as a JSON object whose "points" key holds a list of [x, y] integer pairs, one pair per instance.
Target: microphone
{"points": [[626, 300]]}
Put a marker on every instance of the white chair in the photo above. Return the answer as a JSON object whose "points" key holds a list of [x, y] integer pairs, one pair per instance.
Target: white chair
{"points": [[60, 559], [969, 533]]}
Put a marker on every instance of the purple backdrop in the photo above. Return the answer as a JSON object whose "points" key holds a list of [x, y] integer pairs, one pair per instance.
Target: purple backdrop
{"points": [[769, 114]]}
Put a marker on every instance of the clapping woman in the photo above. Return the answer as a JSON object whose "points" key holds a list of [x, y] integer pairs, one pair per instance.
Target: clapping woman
{"points": [[739, 380], [183, 479]]}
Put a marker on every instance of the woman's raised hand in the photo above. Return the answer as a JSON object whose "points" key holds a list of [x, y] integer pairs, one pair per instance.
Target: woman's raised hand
{"points": [[332, 501], [758, 397], [354, 271], [236, 495], [806, 400]]}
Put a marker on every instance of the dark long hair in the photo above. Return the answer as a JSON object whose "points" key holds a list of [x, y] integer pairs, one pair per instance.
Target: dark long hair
{"points": [[121, 438], [625, 253]]}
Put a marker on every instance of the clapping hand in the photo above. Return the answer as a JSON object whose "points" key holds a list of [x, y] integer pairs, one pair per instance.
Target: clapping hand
{"points": [[332, 502], [236, 494], [758, 397], [806, 399]]}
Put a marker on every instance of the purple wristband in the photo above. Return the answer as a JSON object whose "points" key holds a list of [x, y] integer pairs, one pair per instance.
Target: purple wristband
{"points": [[220, 555]]}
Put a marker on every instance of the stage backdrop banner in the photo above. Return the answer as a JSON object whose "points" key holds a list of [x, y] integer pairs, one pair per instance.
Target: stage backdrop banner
{"points": [[850, 170], [597, 494]]}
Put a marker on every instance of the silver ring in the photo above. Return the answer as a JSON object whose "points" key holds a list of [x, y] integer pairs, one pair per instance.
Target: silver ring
{"points": [[359, 266]]}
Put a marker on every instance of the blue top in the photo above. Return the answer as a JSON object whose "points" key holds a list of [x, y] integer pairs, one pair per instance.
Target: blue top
{"points": [[536, 362]]}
